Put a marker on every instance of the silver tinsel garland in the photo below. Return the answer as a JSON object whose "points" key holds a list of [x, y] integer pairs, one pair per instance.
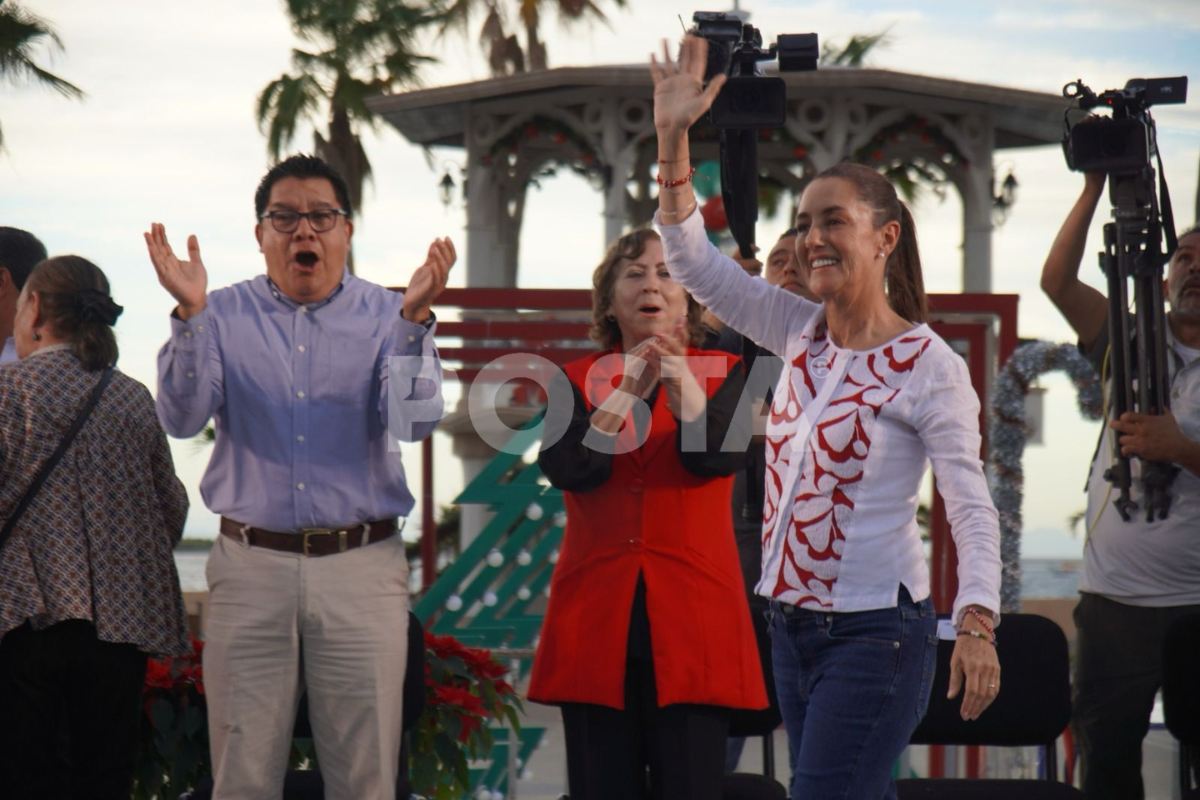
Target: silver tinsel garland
{"points": [[1008, 441]]}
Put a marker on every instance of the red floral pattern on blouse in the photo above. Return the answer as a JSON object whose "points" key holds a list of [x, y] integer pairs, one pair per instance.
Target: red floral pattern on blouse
{"points": [[835, 456]]}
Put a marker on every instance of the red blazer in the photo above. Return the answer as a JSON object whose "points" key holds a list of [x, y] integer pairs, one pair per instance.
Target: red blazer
{"points": [[653, 517]]}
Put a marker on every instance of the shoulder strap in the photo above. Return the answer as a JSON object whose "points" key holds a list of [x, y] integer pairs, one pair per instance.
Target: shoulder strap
{"points": [[52, 462]]}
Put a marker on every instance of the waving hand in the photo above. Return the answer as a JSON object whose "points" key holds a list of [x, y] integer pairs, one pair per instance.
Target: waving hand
{"points": [[680, 97], [187, 281]]}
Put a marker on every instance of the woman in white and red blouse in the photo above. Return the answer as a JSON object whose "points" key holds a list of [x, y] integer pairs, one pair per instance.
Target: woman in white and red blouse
{"points": [[871, 394]]}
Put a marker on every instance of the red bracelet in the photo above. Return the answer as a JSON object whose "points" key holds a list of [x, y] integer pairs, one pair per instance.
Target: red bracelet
{"points": [[987, 626], [678, 182]]}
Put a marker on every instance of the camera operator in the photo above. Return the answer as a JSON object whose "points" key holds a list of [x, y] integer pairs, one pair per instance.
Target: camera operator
{"points": [[1138, 576]]}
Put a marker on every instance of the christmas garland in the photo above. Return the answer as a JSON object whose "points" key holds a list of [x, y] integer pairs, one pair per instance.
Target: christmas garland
{"points": [[1008, 441]]}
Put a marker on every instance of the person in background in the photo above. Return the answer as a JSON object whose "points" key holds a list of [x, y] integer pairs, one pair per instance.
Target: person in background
{"points": [[647, 642], [306, 372], [1137, 576], [20, 251], [88, 586], [870, 397]]}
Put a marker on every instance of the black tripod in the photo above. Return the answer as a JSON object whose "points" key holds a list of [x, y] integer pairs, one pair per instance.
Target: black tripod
{"points": [[1133, 251]]}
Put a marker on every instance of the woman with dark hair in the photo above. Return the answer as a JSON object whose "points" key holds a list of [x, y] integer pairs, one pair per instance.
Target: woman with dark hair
{"points": [[647, 642], [870, 396], [90, 510]]}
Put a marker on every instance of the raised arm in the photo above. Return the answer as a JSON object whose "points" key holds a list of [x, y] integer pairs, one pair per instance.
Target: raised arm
{"points": [[680, 98], [190, 377], [410, 379], [763, 313], [1084, 308]]}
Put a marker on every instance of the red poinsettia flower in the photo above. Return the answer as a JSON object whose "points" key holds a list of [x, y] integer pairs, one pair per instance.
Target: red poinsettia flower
{"points": [[158, 674], [462, 698], [483, 665]]}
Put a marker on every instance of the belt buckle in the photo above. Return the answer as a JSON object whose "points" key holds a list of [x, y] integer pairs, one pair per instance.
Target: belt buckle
{"points": [[308, 532]]}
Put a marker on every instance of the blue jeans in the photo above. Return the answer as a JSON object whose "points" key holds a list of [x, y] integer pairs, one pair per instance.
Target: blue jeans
{"points": [[852, 688]]}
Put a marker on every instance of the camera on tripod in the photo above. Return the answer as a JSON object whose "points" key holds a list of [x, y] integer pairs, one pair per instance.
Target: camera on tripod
{"points": [[750, 100], [1123, 143], [1122, 146]]}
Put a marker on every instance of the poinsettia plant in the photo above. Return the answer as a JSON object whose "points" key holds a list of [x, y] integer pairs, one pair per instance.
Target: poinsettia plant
{"points": [[465, 691], [172, 753]]}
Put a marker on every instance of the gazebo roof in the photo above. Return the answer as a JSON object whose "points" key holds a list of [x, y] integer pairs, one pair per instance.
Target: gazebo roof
{"points": [[436, 116]]}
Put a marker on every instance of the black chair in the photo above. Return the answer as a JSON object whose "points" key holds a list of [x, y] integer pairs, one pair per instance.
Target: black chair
{"points": [[308, 784], [1181, 698], [1033, 708]]}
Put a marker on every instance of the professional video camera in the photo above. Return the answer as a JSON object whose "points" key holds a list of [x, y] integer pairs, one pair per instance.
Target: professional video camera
{"points": [[748, 101], [1122, 146]]}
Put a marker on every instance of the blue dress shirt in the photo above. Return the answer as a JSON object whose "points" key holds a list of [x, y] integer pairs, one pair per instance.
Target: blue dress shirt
{"points": [[9, 352], [299, 395]]}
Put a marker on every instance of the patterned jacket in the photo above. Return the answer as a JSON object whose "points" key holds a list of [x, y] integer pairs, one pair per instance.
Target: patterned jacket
{"points": [[96, 543]]}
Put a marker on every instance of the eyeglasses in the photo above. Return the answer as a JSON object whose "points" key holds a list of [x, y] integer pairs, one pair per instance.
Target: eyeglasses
{"points": [[320, 221]]}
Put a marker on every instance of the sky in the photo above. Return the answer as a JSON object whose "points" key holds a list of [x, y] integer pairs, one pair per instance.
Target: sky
{"points": [[167, 134]]}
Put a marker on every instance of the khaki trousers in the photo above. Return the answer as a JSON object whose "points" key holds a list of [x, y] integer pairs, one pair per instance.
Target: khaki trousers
{"points": [[280, 623]]}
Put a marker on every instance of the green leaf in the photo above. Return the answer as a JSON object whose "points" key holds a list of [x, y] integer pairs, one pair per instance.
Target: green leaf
{"points": [[452, 725], [162, 713], [511, 715], [193, 721]]}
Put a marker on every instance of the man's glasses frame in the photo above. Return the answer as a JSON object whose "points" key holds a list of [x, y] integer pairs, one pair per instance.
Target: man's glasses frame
{"points": [[321, 220]]}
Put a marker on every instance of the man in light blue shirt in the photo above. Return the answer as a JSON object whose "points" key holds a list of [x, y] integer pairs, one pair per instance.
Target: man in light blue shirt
{"points": [[309, 375], [20, 251]]}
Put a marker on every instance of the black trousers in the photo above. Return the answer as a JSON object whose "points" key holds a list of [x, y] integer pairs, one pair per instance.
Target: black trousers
{"points": [[69, 711], [1118, 671], [609, 751]]}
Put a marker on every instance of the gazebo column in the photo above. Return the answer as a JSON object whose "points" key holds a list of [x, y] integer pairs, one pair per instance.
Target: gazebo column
{"points": [[485, 244], [621, 124], [615, 212], [975, 184], [977, 233], [495, 205]]}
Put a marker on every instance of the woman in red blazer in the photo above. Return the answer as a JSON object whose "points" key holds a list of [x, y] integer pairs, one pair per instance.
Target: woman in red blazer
{"points": [[647, 641]]}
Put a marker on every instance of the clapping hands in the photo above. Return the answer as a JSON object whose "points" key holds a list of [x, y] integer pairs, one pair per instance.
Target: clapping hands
{"points": [[429, 280]]}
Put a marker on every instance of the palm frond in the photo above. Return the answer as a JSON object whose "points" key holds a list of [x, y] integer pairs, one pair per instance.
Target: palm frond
{"points": [[22, 33], [457, 15], [854, 53], [283, 105]]}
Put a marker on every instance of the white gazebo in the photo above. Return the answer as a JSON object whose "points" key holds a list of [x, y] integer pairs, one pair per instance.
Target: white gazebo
{"points": [[598, 120]]}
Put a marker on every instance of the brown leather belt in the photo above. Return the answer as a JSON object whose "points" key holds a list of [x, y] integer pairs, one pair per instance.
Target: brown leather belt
{"points": [[311, 541]]}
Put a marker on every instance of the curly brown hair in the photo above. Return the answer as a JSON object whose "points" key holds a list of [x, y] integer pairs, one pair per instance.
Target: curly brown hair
{"points": [[605, 331]]}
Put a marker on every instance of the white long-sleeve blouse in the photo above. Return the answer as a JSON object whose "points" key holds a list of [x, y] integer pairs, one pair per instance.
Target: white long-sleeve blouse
{"points": [[839, 528]]}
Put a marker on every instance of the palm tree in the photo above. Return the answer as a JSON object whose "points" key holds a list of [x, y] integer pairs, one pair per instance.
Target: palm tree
{"points": [[359, 49], [504, 50], [21, 33], [854, 52]]}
